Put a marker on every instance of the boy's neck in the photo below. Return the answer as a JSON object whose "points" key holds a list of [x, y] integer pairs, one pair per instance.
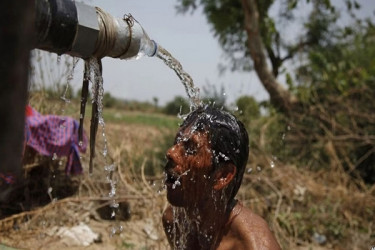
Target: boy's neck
{"points": [[210, 221]]}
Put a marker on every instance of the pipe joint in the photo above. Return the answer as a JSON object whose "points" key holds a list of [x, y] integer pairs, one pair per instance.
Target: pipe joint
{"points": [[67, 27], [87, 31]]}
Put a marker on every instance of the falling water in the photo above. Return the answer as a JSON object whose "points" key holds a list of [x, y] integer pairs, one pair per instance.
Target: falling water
{"points": [[64, 97], [180, 227], [187, 81], [66, 101], [95, 76]]}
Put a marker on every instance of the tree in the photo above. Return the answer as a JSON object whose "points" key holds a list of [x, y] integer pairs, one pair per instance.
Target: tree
{"points": [[251, 39], [178, 105], [327, 116], [155, 100], [338, 88]]}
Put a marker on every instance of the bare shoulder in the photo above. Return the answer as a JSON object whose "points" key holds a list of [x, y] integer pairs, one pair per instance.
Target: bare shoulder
{"points": [[253, 230], [167, 220]]}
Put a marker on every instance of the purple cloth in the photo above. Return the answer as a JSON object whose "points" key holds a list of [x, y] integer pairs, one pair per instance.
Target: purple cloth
{"points": [[56, 135]]}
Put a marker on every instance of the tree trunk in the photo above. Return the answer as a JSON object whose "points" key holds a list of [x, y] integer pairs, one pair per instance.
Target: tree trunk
{"points": [[16, 29], [280, 98]]}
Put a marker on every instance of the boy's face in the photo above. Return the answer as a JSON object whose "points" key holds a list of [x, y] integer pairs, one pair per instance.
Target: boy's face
{"points": [[188, 170]]}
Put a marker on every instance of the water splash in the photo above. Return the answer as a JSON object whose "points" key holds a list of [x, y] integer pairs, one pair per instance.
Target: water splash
{"points": [[177, 182], [187, 81], [182, 225]]}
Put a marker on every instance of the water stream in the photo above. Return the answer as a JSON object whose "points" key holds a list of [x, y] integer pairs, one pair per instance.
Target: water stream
{"points": [[191, 91], [93, 73]]}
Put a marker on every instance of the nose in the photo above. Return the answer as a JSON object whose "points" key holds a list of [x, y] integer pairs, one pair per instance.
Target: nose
{"points": [[173, 153], [170, 152]]}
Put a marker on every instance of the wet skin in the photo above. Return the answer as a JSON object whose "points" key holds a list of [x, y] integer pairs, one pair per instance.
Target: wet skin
{"points": [[244, 230], [191, 183], [188, 168]]}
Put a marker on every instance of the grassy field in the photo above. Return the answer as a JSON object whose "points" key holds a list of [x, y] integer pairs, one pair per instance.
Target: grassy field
{"points": [[324, 209]]}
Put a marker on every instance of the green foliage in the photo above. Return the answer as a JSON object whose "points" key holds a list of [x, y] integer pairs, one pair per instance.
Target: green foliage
{"points": [[341, 66], [226, 18], [248, 109], [178, 105], [127, 245], [79, 94], [334, 124], [108, 100]]}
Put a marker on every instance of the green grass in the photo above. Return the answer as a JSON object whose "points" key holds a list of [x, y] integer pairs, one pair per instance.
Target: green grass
{"points": [[155, 120]]}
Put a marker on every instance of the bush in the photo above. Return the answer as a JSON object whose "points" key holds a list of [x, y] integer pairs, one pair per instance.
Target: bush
{"points": [[248, 109], [178, 105]]}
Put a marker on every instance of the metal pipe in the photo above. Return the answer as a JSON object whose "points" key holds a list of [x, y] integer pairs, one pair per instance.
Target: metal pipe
{"points": [[77, 29]]}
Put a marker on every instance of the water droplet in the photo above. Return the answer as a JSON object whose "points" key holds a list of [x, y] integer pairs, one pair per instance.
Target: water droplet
{"points": [[66, 100], [112, 193], [259, 168], [114, 204], [272, 164], [176, 183], [109, 167], [249, 170]]}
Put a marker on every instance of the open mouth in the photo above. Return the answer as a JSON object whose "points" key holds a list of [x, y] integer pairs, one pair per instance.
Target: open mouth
{"points": [[170, 176], [170, 179]]}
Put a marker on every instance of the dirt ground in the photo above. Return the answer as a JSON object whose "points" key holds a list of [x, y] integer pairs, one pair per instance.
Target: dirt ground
{"points": [[83, 220]]}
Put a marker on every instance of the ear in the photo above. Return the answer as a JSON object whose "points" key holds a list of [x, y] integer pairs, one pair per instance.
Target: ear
{"points": [[224, 176]]}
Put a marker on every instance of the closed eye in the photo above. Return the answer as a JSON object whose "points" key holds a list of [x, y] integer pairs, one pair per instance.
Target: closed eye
{"points": [[190, 147]]}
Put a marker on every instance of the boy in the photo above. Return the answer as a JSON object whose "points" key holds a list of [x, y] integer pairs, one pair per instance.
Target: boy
{"points": [[203, 174]]}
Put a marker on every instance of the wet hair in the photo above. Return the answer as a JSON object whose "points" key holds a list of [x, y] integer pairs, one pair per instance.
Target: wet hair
{"points": [[228, 138]]}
